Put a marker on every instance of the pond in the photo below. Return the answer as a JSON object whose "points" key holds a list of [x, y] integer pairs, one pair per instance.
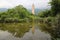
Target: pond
{"points": [[22, 31]]}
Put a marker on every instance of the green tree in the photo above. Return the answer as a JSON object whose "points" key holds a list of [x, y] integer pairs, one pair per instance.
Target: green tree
{"points": [[55, 7], [14, 14], [45, 13]]}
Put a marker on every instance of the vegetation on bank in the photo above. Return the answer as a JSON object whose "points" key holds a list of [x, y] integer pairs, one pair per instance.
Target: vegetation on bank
{"points": [[51, 20], [21, 14], [16, 14], [16, 29]]}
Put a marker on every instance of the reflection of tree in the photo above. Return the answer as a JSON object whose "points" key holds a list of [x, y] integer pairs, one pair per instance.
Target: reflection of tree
{"points": [[17, 30], [47, 29], [52, 26], [33, 27]]}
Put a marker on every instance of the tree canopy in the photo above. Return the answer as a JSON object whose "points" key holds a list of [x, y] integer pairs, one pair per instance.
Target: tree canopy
{"points": [[14, 14]]}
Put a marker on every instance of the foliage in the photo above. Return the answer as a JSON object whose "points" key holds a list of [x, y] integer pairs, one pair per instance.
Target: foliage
{"points": [[17, 29], [45, 13], [51, 20], [55, 7], [51, 25], [14, 14]]}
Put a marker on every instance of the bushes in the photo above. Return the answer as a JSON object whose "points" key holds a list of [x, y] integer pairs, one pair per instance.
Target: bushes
{"points": [[52, 26], [55, 7], [45, 13], [14, 14]]}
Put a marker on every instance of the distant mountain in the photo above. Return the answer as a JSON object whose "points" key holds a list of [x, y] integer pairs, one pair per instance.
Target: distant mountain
{"points": [[37, 10], [3, 9]]}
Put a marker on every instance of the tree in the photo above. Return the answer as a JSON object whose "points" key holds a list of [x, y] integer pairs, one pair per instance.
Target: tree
{"points": [[45, 13], [55, 7], [14, 14], [23, 12]]}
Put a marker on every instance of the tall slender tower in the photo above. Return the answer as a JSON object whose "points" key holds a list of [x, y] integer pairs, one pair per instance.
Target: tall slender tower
{"points": [[33, 28], [33, 9]]}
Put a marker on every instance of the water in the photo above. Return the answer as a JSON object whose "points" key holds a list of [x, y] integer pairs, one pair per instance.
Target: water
{"points": [[23, 31]]}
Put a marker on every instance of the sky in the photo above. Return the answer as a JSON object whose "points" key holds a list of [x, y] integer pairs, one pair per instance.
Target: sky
{"points": [[25, 3]]}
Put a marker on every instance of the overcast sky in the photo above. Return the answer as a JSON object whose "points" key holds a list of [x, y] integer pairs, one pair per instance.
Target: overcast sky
{"points": [[25, 3]]}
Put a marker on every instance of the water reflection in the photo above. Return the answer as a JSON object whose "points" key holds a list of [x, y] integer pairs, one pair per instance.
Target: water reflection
{"points": [[22, 31], [17, 30], [33, 27], [48, 28]]}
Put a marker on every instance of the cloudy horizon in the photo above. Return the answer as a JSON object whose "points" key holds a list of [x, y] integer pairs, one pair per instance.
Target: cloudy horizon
{"points": [[25, 3]]}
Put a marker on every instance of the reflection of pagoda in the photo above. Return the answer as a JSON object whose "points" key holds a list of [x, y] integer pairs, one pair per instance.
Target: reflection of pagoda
{"points": [[33, 28], [33, 9]]}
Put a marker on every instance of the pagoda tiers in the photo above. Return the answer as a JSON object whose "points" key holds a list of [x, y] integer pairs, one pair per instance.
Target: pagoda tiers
{"points": [[33, 9]]}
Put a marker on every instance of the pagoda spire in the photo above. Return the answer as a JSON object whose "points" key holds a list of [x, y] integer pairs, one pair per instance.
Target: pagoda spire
{"points": [[33, 9]]}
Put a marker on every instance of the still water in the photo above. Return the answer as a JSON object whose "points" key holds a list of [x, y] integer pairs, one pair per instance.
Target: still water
{"points": [[22, 31]]}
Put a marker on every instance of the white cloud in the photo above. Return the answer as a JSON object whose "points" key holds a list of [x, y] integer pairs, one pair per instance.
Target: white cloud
{"points": [[4, 4], [25, 3]]}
